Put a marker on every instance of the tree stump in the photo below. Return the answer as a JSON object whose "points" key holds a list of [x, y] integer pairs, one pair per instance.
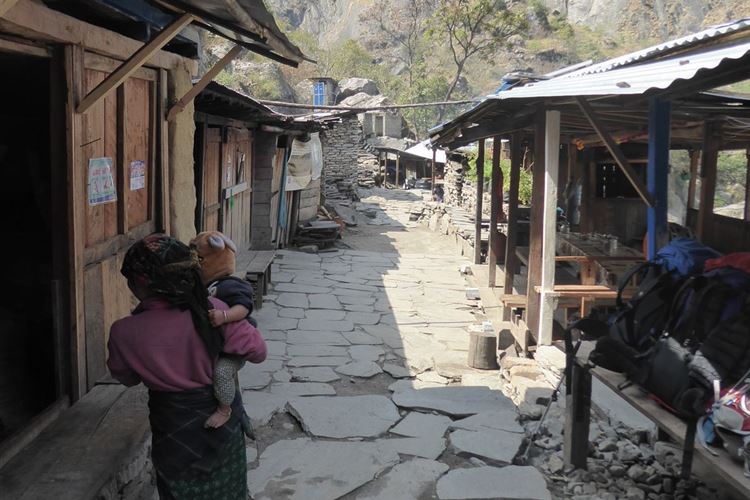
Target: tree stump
{"points": [[483, 351]]}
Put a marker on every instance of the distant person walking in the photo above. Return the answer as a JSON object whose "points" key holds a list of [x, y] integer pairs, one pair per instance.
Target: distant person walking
{"points": [[168, 343]]}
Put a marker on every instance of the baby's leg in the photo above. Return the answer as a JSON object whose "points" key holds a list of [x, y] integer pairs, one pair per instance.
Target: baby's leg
{"points": [[224, 389]]}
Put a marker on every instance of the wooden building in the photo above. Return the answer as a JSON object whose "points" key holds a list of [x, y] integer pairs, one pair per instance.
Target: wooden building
{"points": [[621, 117], [96, 145], [241, 152]]}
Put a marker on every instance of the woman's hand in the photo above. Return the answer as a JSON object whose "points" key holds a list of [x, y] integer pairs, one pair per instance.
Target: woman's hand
{"points": [[217, 317]]}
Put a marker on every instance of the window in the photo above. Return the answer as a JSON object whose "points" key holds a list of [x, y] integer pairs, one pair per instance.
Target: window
{"points": [[611, 182], [319, 94], [379, 125]]}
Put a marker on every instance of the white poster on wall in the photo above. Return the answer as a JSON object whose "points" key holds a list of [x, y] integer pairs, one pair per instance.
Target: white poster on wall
{"points": [[305, 163], [101, 183]]}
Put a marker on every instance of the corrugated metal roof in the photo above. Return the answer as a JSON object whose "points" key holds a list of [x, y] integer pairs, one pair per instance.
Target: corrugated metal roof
{"points": [[631, 80], [424, 150], [665, 48]]}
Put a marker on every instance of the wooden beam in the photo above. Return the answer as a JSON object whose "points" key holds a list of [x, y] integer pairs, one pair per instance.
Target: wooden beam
{"points": [[659, 117], [709, 159], [203, 82], [747, 185], [549, 226], [76, 202], [137, 60], [615, 151], [6, 5], [511, 260], [495, 201], [535, 226], [694, 159], [478, 207], [398, 167]]}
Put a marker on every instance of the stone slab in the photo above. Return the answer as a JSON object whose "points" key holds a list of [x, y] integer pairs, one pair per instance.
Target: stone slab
{"points": [[253, 380], [454, 401], [408, 384], [291, 312], [506, 483], [298, 361], [396, 371], [363, 318], [430, 447], [280, 324], [324, 314], [356, 300], [316, 350], [319, 338], [276, 347], [344, 416], [498, 446], [417, 424], [364, 369], [324, 301], [362, 338], [358, 308], [302, 469], [299, 288], [314, 374], [499, 420], [294, 389], [321, 325], [288, 299], [366, 352], [411, 479], [261, 406]]}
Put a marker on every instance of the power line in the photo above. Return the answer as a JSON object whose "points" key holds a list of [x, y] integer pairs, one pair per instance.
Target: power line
{"points": [[362, 108]]}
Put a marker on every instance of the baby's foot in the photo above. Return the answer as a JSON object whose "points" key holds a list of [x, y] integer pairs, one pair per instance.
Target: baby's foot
{"points": [[218, 418]]}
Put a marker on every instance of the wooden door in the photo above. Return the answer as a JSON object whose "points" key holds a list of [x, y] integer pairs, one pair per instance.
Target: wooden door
{"points": [[211, 179], [236, 192], [116, 171]]}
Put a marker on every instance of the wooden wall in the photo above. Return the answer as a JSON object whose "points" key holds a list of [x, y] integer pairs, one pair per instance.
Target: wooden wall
{"points": [[725, 234], [226, 189], [122, 127]]}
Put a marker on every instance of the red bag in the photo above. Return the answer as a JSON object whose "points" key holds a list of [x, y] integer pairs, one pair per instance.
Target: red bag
{"points": [[738, 260]]}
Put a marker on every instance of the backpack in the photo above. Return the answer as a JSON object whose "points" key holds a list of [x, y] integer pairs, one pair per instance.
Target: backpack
{"points": [[639, 344], [639, 322]]}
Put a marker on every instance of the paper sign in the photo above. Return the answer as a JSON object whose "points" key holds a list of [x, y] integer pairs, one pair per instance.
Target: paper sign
{"points": [[101, 182], [137, 175]]}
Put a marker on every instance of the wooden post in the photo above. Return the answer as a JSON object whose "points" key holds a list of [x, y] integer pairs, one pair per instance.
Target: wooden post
{"points": [[398, 167], [536, 224], [137, 60], [495, 202], [549, 231], [659, 114], [747, 185], [577, 417], [478, 207], [483, 351], [511, 261], [694, 158], [203, 82], [708, 181], [434, 157], [76, 180]]}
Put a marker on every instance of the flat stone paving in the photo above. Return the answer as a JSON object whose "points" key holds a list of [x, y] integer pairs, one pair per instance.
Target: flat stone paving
{"points": [[366, 385]]}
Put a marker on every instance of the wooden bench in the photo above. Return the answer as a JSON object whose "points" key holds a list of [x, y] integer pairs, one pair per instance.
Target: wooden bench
{"points": [[578, 414], [584, 296], [258, 272]]}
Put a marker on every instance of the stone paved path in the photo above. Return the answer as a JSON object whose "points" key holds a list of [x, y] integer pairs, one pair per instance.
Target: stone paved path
{"points": [[366, 393]]}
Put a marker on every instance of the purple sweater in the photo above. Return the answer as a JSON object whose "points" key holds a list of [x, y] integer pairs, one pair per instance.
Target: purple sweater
{"points": [[159, 346]]}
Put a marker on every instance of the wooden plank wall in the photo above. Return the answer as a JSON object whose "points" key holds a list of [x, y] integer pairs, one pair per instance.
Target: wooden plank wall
{"points": [[236, 209], [725, 234], [122, 127], [211, 180]]}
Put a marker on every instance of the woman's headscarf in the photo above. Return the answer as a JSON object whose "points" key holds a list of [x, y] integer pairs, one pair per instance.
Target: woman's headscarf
{"points": [[170, 270]]}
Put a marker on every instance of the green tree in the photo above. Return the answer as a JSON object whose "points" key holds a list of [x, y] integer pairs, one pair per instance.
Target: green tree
{"points": [[474, 28]]}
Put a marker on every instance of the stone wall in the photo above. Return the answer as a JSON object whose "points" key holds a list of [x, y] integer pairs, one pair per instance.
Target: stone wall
{"points": [[263, 155], [347, 160], [460, 191]]}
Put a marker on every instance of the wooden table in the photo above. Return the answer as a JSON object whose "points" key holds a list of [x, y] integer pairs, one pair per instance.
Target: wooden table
{"points": [[599, 265]]}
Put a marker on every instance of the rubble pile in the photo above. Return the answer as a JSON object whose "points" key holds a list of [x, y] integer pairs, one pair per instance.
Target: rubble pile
{"points": [[623, 463]]}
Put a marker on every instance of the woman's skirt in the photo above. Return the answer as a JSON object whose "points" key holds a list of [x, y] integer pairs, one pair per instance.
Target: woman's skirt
{"points": [[192, 462]]}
